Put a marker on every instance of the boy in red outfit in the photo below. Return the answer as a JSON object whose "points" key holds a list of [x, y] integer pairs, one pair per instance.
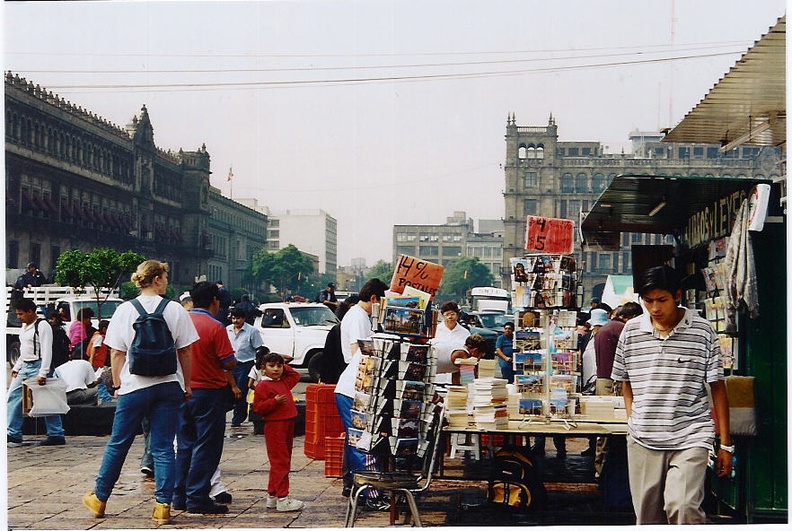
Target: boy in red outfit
{"points": [[273, 400]]}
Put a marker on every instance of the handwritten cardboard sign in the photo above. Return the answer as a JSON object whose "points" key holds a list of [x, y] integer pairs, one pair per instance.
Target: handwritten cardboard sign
{"points": [[549, 235], [420, 274]]}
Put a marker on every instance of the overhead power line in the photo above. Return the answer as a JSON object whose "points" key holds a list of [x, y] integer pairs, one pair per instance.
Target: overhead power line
{"points": [[389, 79]]}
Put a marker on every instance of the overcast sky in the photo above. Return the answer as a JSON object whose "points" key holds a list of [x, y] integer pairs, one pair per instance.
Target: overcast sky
{"points": [[380, 113]]}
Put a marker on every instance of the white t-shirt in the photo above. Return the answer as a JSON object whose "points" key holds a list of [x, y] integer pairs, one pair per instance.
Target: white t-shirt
{"points": [[445, 342], [589, 362], [77, 374], [355, 325], [120, 335], [29, 352]]}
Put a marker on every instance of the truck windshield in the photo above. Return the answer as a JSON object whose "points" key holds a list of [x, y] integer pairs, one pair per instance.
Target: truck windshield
{"points": [[107, 310], [313, 315]]}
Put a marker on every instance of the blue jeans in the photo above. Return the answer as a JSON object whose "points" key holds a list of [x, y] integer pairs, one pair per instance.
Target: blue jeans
{"points": [[200, 445], [147, 460], [240, 373], [356, 460], [160, 403], [104, 394], [15, 417], [507, 369]]}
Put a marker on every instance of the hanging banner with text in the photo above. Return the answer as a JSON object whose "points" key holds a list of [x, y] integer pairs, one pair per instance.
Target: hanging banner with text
{"points": [[549, 235], [420, 274]]}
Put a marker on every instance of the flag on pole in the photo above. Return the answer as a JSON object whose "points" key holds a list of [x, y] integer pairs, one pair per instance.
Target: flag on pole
{"points": [[230, 174]]}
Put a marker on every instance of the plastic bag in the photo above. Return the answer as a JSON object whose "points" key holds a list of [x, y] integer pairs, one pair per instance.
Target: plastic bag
{"points": [[48, 399]]}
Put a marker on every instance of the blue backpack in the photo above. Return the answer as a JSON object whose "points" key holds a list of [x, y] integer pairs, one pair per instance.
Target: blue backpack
{"points": [[153, 351]]}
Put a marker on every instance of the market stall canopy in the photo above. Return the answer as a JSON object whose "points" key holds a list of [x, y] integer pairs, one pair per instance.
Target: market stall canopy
{"points": [[658, 204], [748, 105]]}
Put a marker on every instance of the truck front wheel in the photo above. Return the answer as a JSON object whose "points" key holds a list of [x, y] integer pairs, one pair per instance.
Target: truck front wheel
{"points": [[13, 353], [314, 365]]}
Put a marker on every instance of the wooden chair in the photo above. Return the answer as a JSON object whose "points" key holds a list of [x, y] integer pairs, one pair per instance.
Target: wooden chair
{"points": [[400, 482]]}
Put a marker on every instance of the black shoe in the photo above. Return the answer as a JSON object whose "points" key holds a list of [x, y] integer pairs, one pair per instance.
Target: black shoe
{"points": [[346, 492], [376, 504], [587, 452], [223, 497], [14, 440], [209, 509], [53, 441], [178, 505], [146, 471], [538, 451]]}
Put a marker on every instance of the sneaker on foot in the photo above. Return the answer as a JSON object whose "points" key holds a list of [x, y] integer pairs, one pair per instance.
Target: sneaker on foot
{"points": [[376, 504], [224, 497], [14, 441], [272, 502], [53, 441], [214, 508], [287, 504], [146, 471], [94, 504], [161, 513]]}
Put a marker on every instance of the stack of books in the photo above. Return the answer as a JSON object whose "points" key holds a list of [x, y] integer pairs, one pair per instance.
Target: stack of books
{"points": [[486, 368], [489, 403], [456, 406]]}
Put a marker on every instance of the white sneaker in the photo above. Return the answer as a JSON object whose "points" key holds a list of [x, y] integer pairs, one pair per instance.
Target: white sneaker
{"points": [[272, 502], [287, 504]]}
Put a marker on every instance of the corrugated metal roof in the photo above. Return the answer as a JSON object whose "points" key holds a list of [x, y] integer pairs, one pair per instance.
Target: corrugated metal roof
{"points": [[748, 103]]}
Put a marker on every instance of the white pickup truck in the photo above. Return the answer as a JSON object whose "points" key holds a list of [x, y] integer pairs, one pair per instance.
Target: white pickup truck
{"points": [[296, 329], [69, 299]]}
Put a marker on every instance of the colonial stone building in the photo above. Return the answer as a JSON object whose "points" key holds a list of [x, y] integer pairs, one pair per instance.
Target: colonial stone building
{"points": [[76, 181], [549, 178]]}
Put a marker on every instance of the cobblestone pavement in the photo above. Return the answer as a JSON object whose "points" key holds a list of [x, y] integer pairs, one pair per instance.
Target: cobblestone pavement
{"points": [[46, 484]]}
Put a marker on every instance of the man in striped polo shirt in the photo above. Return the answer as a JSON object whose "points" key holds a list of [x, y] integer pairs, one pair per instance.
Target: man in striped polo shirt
{"points": [[664, 359]]}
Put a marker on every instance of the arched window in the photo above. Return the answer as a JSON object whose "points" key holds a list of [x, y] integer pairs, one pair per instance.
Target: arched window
{"points": [[567, 184], [521, 152], [540, 151], [581, 183], [531, 152], [598, 182]]}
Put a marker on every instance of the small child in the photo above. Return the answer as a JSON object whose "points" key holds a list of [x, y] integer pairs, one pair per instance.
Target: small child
{"points": [[254, 376], [273, 400]]}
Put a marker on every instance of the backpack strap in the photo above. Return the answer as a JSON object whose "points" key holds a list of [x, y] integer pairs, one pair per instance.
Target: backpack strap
{"points": [[161, 307], [139, 307], [36, 341]]}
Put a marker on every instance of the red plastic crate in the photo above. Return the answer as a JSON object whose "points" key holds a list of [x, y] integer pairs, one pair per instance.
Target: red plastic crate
{"points": [[320, 393], [334, 456]]}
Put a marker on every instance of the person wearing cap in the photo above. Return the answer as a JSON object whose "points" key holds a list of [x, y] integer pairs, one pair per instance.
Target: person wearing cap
{"points": [[328, 297], [666, 359], [32, 278], [225, 303]]}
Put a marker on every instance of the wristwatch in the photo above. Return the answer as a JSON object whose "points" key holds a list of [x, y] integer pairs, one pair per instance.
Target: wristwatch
{"points": [[727, 448]]}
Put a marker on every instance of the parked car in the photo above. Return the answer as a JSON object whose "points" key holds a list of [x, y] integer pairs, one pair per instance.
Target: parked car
{"points": [[490, 336], [491, 320], [297, 330]]}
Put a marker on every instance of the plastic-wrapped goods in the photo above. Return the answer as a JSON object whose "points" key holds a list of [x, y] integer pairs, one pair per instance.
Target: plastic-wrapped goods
{"points": [[49, 399]]}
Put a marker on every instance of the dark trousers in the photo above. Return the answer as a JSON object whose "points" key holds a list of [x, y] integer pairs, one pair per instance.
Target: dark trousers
{"points": [[279, 438], [199, 445], [240, 373]]}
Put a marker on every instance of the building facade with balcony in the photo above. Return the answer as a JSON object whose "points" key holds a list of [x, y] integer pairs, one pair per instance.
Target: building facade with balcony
{"points": [[550, 178], [76, 181]]}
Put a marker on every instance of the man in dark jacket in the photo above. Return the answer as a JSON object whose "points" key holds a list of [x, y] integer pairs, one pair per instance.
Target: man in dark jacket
{"points": [[32, 278]]}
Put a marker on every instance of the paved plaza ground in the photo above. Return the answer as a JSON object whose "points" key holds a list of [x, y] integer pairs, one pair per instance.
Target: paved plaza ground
{"points": [[46, 484]]}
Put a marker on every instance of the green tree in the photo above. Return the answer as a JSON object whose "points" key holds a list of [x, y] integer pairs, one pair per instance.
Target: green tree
{"points": [[382, 270], [464, 273], [289, 269], [102, 268]]}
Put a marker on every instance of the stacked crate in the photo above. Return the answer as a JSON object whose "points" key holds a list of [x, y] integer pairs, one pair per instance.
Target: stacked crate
{"points": [[334, 456], [321, 419]]}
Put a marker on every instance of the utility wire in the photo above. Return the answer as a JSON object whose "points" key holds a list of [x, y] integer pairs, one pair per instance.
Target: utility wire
{"points": [[390, 79]]}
